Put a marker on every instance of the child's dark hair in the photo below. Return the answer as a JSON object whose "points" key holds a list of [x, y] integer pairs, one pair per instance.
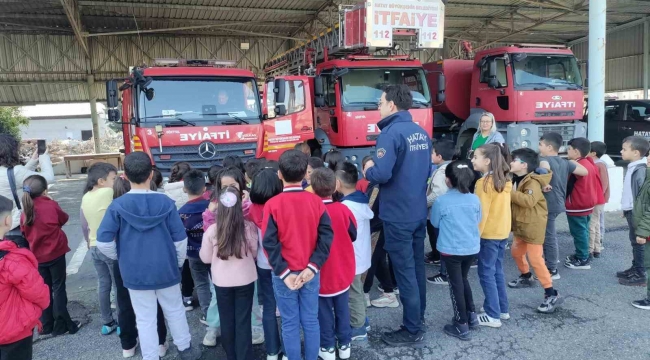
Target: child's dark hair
{"points": [[460, 175], [213, 172], [137, 167], [365, 160], [584, 146], [157, 178], [599, 148], [315, 162], [233, 161], [499, 168], [528, 156], [232, 172], [266, 185], [332, 158], [505, 152], [445, 148], [638, 143], [179, 170], [97, 171], [121, 186], [231, 229], [293, 166], [323, 182], [33, 187], [347, 174], [553, 139], [315, 148], [194, 182], [252, 167], [6, 206], [272, 164]]}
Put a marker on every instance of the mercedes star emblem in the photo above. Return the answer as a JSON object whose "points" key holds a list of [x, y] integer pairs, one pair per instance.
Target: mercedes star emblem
{"points": [[207, 150]]}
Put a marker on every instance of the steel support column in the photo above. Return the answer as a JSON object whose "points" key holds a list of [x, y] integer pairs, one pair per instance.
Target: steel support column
{"points": [[597, 42], [646, 57], [93, 111]]}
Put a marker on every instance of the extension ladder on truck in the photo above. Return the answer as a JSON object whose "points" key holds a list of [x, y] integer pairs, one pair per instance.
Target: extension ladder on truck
{"points": [[364, 29]]}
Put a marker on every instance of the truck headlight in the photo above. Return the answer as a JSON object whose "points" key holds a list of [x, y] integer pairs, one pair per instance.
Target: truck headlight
{"points": [[353, 158], [524, 144], [524, 132]]}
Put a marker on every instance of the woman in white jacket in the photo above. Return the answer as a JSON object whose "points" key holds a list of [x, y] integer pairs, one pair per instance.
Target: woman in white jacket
{"points": [[174, 188], [9, 159]]}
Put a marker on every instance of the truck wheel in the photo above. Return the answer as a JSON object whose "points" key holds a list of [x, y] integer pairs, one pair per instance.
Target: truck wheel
{"points": [[465, 148]]}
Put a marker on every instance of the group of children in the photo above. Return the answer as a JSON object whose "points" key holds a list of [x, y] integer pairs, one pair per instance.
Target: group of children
{"points": [[303, 233]]}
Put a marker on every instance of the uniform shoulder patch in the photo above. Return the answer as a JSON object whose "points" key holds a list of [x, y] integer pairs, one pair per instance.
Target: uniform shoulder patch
{"points": [[381, 152], [530, 192]]}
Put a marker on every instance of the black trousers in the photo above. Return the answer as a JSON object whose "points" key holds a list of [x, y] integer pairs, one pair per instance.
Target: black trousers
{"points": [[380, 268], [19, 350], [235, 305], [432, 232], [459, 289], [56, 318], [126, 316], [187, 283]]}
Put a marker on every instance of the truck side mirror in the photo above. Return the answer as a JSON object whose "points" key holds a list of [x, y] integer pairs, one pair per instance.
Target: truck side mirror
{"points": [[493, 82], [280, 110], [111, 94], [279, 90], [492, 69], [113, 115], [440, 96], [318, 86]]}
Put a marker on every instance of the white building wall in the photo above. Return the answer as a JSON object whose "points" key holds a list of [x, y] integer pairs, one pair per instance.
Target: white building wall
{"points": [[59, 129]]}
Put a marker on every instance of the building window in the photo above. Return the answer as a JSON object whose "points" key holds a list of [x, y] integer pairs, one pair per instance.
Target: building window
{"points": [[86, 135]]}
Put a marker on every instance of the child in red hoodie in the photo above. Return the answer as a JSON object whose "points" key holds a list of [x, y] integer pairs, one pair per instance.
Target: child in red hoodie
{"points": [[41, 222], [337, 274], [583, 194], [23, 295]]}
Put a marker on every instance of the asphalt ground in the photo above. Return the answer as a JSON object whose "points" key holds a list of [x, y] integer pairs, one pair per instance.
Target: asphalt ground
{"points": [[595, 322]]}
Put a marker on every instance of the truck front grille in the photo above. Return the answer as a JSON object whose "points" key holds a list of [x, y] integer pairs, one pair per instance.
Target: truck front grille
{"points": [[190, 154], [567, 131]]}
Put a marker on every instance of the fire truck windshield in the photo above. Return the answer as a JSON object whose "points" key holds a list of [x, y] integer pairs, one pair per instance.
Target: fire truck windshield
{"points": [[539, 72], [195, 100], [362, 88]]}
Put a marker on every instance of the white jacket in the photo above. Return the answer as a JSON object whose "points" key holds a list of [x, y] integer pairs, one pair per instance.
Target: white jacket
{"points": [[362, 248], [437, 186], [176, 193], [21, 173]]}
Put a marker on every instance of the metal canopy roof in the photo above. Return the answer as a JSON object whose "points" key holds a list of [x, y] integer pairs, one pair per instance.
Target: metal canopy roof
{"points": [[49, 47]]}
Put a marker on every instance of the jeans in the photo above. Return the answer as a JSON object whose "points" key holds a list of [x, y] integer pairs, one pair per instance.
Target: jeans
{"points": [[187, 283], [551, 247], [106, 279], [56, 317], [637, 250], [405, 246], [579, 229], [269, 321], [299, 308], [19, 350], [235, 306], [201, 278], [432, 233], [462, 300], [334, 318], [380, 268], [126, 315], [490, 274], [357, 304]]}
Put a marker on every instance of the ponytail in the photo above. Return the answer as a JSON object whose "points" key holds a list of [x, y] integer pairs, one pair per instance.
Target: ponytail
{"points": [[33, 187]]}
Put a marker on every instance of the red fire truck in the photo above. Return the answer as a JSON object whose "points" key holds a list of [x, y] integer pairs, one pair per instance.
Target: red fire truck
{"points": [[344, 71], [530, 89], [198, 111]]}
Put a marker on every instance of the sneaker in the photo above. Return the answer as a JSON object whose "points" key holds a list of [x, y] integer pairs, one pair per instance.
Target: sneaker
{"points": [[162, 349], [327, 354], [274, 357], [502, 316], [344, 351], [130, 352], [457, 330], [368, 302], [596, 255], [258, 335], [386, 300], [72, 329], [190, 353], [438, 280], [359, 334], [521, 282], [625, 273], [381, 289], [485, 320], [402, 337], [474, 263], [203, 320], [570, 258], [109, 328], [578, 264], [211, 336], [635, 279], [430, 261], [187, 302], [367, 324], [642, 304], [118, 331], [472, 320], [555, 275], [550, 303]]}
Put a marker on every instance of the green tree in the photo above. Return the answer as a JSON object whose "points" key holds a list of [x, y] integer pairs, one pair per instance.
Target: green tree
{"points": [[11, 119]]}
